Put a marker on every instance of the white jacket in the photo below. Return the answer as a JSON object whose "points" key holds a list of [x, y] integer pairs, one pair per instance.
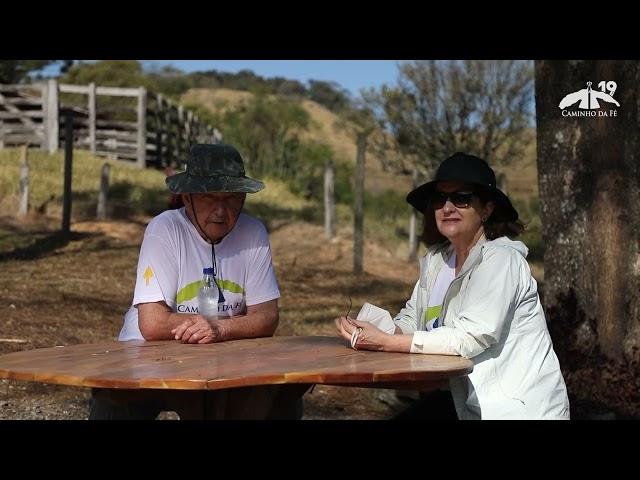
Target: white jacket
{"points": [[493, 316]]}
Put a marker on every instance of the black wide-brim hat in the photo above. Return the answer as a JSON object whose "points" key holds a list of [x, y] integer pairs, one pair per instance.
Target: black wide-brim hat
{"points": [[213, 168], [470, 169]]}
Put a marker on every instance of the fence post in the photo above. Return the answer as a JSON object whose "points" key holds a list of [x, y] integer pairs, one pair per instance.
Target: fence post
{"points": [[197, 129], [180, 142], [189, 130], [101, 213], [413, 238], [329, 201], [24, 181], [358, 213], [158, 120], [142, 128], [68, 164], [52, 119], [44, 97], [169, 139], [92, 117]]}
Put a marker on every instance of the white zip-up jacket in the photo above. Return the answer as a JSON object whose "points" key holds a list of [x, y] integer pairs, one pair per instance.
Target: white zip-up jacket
{"points": [[492, 315]]}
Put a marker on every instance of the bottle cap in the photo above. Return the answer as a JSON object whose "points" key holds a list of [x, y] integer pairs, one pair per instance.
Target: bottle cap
{"points": [[207, 271]]}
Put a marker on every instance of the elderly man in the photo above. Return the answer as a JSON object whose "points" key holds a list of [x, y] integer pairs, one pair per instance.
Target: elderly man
{"points": [[210, 231]]}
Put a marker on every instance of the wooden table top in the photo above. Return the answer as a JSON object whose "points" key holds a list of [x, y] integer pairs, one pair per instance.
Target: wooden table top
{"points": [[260, 361]]}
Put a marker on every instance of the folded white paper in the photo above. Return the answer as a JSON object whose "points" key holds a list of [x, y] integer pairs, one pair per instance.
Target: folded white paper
{"points": [[377, 316]]}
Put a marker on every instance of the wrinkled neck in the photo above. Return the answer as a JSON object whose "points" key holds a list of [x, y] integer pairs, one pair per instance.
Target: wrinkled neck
{"points": [[462, 247]]}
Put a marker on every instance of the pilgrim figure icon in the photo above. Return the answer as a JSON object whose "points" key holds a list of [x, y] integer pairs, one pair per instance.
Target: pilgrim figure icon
{"points": [[587, 97]]}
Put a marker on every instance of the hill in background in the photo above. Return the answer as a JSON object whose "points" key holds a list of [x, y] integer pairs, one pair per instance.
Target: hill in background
{"points": [[521, 175]]}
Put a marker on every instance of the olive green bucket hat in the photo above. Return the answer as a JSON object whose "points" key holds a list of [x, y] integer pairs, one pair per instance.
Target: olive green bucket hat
{"points": [[213, 168]]}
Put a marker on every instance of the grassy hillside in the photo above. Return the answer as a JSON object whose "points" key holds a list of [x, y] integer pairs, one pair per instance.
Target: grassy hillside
{"points": [[324, 129], [521, 175]]}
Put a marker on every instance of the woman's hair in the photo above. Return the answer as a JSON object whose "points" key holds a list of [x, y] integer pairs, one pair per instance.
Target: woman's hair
{"points": [[496, 225]]}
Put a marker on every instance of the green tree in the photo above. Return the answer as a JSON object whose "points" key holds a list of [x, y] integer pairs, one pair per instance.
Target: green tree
{"points": [[17, 71], [113, 73], [440, 107], [266, 128], [328, 94], [169, 81]]}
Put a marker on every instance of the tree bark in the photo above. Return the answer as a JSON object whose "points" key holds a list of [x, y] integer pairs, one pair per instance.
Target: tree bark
{"points": [[413, 237], [589, 180]]}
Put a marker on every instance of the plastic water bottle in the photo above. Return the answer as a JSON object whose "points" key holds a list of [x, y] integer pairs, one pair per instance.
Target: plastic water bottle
{"points": [[208, 296]]}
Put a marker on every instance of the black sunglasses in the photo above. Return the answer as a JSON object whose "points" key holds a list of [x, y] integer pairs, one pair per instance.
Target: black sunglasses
{"points": [[459, 199]]}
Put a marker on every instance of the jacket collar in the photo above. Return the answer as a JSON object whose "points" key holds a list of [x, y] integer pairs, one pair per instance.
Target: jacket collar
{"points": [[439, 254]]}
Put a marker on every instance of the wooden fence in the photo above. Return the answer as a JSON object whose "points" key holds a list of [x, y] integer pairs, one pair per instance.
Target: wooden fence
{"points": [[23, 111], [148, 129]]}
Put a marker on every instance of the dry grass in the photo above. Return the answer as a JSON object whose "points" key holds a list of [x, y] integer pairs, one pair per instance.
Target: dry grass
{"points": [[217, 100], [277, 194], [131, 189]]}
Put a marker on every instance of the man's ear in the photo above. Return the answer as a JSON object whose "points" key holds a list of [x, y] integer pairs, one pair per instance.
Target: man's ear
{"points": [[186, 199]]}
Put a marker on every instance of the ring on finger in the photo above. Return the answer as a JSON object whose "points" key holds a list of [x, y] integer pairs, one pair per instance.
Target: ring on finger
{"points": [[354, 337]]}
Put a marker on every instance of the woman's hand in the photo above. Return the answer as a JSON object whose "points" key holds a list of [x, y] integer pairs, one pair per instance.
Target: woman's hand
{"points": [[368, 337]]}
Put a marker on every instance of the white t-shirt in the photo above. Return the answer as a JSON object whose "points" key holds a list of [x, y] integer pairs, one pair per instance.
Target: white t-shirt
{"points": [[173, 255], [443, 280]]}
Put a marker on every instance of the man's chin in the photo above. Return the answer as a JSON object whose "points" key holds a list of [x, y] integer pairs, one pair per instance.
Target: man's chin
{"points": [[216, 231]]}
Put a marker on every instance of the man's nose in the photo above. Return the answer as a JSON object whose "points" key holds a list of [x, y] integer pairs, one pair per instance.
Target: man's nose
{"points": [[218, 208]]}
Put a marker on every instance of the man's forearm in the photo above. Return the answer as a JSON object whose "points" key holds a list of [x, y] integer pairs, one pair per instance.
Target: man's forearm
{"points": [[159, 326], [157, 321], [251, 325]]}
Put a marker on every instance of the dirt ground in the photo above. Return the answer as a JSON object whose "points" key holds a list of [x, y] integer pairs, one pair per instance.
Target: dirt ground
{"points": [[64, 292], [59, 292]]}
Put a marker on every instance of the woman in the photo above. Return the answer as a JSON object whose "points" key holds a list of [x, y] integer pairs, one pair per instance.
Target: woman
{"points": [[476, 297]]}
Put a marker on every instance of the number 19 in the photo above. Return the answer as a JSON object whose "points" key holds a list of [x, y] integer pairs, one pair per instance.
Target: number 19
{"points": [[610, 85]]}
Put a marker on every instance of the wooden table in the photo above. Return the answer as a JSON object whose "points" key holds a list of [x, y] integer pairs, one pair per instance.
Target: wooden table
{"points": [[262, 361]]}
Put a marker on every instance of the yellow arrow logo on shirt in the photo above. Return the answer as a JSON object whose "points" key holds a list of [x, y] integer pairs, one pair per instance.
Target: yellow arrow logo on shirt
{"points": [[148, 273]]}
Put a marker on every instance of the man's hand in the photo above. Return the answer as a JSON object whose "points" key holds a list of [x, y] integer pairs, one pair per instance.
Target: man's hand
{"points": [[199, 330], [158, 322]]}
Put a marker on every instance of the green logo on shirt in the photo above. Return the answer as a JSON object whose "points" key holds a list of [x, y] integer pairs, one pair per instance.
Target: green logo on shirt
{"points": [[430, 313]]}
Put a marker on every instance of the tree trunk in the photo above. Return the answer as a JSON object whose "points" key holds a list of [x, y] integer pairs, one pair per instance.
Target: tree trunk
{"points": [[413, 237], [589, 179], [103, 195], [358, 207]]}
